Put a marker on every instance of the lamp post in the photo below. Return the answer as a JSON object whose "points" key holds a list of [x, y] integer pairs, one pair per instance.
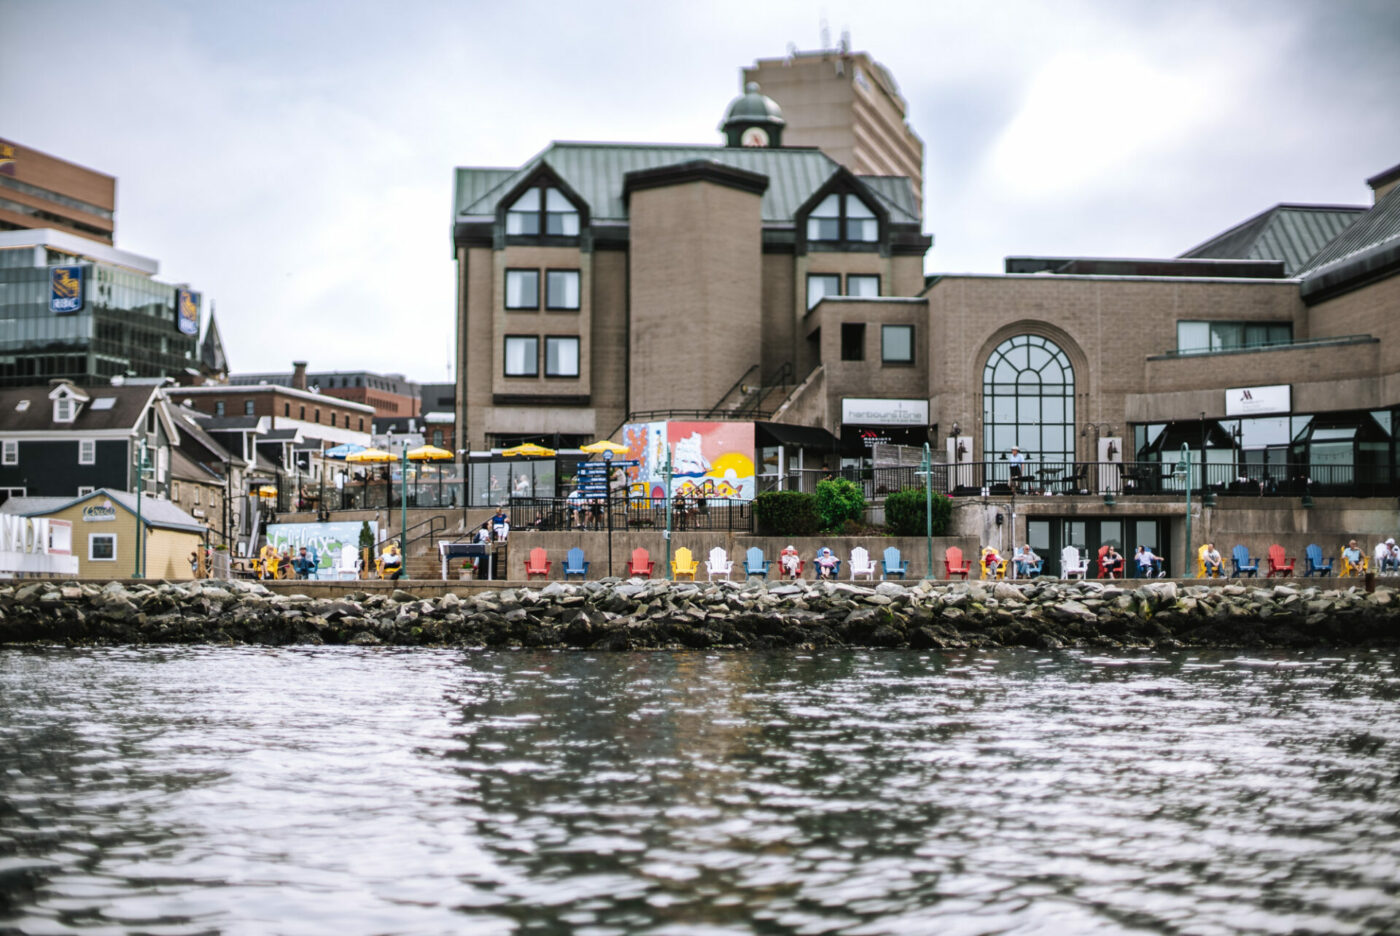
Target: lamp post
{"points": [[666, 473], [140, 570], [403, 505], [926, 469], [1183, 470]]}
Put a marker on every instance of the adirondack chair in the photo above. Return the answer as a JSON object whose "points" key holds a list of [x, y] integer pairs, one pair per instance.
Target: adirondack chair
{"points": [[1280, 563], [955, 564], [1316, 564], [862, 564], [537, 563], [755, 564], [1103, 566], [830, 570], [1244, 564], [1071, 565], [1351, 569], [999, 564], [348, 566], [719, 563], [575, 564], [786, 567], [641, 565], [1201, 570], [893, 565], [684, 564]]}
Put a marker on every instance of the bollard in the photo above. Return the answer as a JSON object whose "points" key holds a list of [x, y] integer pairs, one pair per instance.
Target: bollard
{"points": [[1370, 582]]}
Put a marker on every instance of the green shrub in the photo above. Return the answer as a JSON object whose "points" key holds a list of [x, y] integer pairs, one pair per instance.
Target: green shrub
{"points": [[839, 500], [904, 512], [786, 513], [366, 537]]}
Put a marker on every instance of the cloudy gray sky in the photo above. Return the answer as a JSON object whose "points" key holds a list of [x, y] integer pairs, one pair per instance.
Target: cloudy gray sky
{"points": [[294, 160]]}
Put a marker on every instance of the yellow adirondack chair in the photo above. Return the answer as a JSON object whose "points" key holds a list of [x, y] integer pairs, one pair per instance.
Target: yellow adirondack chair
{"points": [[999, 572], [684, 564], [1354, 569]]}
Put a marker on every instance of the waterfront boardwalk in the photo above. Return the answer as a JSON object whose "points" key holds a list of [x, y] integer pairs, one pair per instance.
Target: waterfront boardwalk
{"points": [[618, 614]]}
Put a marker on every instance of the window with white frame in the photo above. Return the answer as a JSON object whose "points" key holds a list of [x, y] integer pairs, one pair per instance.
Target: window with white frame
{"points": [[522, 356], [821, 285], [522, 289], [862, 285], [8, 492], [561, 356], [9, 452], [174, 490], [561, 290], [843, 218], [85, 489], [87, 451], [542, 211], [196, 495], [63, 409], [102, 547]]}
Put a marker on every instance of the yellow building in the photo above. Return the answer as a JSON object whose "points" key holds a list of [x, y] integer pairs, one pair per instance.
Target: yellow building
{"points": [[104, 533]]}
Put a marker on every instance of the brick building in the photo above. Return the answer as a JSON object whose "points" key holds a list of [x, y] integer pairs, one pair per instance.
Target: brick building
{"points": [[316, 415], [42, 191], [390, 395]]}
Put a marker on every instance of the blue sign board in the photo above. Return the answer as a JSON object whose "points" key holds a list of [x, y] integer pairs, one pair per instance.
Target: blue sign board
{"points": [[187, 311], [66, 289]]}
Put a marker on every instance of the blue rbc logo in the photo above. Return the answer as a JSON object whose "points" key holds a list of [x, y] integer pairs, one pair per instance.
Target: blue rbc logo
{"points": [[66, 290]]}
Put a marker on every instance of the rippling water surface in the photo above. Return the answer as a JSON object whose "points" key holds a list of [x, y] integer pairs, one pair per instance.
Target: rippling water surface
{"points": [[177, 791]]}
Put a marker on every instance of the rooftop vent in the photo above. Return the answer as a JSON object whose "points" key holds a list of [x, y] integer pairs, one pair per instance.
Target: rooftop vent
{"points": [[21, 406], [104, 402]]}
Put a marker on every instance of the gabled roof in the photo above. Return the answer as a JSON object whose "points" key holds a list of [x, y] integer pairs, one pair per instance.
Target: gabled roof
{"points": [[897, 192], [1375, 227], [190, 424], [185, 468], [126, 409], [154, 511], [1367, 251], [211, 348], [596, 172], [1291, 233]]}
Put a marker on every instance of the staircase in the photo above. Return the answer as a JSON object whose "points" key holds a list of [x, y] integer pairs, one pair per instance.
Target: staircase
{"points": [[752, 395]]}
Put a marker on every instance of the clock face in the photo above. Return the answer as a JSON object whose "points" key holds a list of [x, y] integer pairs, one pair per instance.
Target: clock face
{"points": [[754, 136]]}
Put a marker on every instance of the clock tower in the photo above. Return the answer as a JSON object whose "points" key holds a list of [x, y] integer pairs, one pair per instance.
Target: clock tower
{"points": [[753, 119]]}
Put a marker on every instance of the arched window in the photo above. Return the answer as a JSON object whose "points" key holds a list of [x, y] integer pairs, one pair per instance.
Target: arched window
{"points": [[1028, 400]]}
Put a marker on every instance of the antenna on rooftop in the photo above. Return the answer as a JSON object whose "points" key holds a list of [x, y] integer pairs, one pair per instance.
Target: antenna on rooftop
{"points": [[826, 34], [846, 41]]}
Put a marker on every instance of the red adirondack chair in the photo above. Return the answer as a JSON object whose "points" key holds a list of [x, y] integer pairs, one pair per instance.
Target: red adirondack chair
{"points": [[642, 564], [1103, 569], [537, 563], [1280, 563], [954, 564]]}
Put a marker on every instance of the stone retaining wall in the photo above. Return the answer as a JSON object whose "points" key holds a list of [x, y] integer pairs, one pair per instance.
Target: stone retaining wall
{"points": [[640, 615]]}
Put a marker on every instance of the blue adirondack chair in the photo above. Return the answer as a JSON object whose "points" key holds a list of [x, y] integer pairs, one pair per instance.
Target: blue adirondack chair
{"points": [[1316, 564], [835, 570], [755, 564], [893, 564], [1244, 563], [575, 564]]}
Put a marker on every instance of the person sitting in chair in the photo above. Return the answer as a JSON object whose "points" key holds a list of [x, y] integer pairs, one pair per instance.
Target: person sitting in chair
{"points": [[303, 564], [1215, 566], [826, 563], [392, 561], [790, 563], [1112, 563], [1026, 561], [1351, 553], [1385, 557], [1147, 561]]}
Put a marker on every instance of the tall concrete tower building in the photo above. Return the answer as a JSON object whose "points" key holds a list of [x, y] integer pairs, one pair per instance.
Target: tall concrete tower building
{"points": [[847, 104]]}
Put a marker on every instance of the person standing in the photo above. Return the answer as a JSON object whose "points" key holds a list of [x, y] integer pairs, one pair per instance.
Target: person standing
{"points": [[1017, 461]]}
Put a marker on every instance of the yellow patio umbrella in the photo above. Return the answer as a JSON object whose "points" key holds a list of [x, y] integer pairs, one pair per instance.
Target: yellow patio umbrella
{"points": [[605, 445], [529, 449], [370, 455], [431, 453], [267, 491]]}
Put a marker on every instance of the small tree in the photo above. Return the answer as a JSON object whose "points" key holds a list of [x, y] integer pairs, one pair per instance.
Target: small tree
{"points": [[904, 512], [366, 537], [785, 513], [839, 500]]}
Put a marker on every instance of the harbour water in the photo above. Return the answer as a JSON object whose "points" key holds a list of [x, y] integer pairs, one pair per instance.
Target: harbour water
{"points": [[348, 790]]}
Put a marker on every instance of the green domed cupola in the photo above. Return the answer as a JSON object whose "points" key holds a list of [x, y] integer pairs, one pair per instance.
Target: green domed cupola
{"points": [[753, 119]]}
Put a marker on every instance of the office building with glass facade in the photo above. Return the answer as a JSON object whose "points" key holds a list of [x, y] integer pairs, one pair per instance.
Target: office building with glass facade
{"points": [[79, 310]]}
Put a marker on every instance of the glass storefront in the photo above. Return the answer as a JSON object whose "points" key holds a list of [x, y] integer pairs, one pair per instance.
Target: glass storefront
{"points": [[127, 326]]}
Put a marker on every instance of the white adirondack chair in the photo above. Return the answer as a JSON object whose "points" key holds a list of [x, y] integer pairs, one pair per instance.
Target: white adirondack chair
{"points": [[1071, 565], [348, 565], [719, 563], [862, 564]]}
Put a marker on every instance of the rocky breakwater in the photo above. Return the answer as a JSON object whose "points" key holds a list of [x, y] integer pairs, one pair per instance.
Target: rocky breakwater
{"points": [[637, 615]]}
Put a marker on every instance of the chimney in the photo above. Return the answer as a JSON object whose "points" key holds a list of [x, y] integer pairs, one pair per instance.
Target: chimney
{"points": [[298, 375]]}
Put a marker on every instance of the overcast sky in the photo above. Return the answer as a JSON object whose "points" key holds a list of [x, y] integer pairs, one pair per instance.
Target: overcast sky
{"points": [[294, 160]]}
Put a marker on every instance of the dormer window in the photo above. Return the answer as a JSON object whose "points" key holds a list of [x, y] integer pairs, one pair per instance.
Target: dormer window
{"points": [[542, 210], [843, 218], [64, 409]]}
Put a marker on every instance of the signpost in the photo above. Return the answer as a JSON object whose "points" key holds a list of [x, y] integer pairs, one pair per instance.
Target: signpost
{"points": [[594, 480]]}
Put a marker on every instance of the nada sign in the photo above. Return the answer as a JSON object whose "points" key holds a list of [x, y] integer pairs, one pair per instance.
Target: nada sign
{"points": [[869, 412], [98, 513], [66, 289], [1255, 401]]}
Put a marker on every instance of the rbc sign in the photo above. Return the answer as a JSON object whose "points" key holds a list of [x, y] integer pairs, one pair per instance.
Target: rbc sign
{"points": [[66, 289]]}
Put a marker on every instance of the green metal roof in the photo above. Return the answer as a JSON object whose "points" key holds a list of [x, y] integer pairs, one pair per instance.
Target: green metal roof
{"points": [[1291, 233], [897, 193], [596, 172], [1376, 227]]}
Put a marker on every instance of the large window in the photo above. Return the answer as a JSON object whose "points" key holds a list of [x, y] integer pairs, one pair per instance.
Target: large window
{"points": [[87, 451], [821, 285], [522, 289], [561, 357], [863, 286], [1205, 337], [897, 344], [1028, 400], [542, 210], [562, 290], [10, 454], [843, 218], [522, 356], [102, 547]]}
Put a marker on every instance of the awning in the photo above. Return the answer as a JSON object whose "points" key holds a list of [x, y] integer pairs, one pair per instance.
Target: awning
{"points": [[809, 437]]}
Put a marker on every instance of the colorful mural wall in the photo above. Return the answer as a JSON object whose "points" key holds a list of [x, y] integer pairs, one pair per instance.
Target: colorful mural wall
{"points": [[708, 459]]}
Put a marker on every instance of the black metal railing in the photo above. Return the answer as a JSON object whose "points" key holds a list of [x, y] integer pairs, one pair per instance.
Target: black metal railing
{"points": [[631, 513]]}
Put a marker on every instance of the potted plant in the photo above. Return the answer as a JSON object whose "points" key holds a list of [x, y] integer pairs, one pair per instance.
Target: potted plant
{"points": [[467, 572]]}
